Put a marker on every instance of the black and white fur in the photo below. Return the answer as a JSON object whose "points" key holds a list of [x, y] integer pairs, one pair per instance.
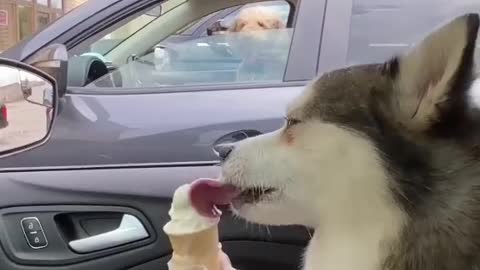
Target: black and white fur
{"points": [[382, 160]]}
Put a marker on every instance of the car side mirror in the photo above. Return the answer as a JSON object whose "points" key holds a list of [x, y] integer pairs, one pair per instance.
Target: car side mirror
{"points": [[53, 60], [28, 104]]}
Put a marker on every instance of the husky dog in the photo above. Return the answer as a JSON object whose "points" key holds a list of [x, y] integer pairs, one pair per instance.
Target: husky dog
{"points": [[382, 160]]}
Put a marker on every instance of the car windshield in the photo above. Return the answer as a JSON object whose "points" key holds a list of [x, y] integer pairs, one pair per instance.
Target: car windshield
{"points": [[110, 41]]}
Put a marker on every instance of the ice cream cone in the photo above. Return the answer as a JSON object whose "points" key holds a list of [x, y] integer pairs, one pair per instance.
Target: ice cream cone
{"points": [[196, 250]]}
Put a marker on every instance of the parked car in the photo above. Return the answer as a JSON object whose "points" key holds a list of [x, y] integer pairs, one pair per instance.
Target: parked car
{"points": [[134, 122], [3, 115]]}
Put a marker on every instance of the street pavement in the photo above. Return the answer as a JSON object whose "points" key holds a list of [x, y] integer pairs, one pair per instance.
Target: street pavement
{"points": [[27, 122]]}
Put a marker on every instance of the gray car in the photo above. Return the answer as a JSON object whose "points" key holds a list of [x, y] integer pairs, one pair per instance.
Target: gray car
{"points": [[142, 115]]}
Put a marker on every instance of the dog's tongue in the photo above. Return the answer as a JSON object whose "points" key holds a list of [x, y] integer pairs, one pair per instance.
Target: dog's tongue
{"points": [[207, 195]]}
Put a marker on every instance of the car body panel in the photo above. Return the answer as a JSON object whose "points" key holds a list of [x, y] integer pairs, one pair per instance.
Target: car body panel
{"points": [[107, 129]]}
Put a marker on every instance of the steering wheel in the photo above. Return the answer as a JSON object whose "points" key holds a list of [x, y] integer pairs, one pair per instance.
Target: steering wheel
{"points": [[85, 69]]}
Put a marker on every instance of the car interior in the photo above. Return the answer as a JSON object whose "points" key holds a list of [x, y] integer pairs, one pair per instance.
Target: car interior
{"points": [[130, 60]]}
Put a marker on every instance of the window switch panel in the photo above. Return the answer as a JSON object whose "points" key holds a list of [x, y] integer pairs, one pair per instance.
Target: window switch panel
{"points": [[33, 231]]}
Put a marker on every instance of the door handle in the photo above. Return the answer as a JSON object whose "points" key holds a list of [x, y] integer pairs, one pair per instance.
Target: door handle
{"points": [[234, 137], [130, 230]]}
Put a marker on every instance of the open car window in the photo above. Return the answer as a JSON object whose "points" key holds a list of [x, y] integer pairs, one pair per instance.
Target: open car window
{"points": [[228, 58], [174, 58]]}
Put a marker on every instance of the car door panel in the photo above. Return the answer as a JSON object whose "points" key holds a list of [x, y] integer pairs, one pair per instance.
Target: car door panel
{"points": [[95, 130], [128, 190]]}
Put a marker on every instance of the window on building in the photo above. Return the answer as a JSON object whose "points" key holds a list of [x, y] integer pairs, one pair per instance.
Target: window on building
{"points": [[56, 4], [43, 19], [25, 21], [42, 2]]}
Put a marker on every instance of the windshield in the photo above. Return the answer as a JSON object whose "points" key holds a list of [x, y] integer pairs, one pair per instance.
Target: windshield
{"points": [[110, 41], [20, 21]]}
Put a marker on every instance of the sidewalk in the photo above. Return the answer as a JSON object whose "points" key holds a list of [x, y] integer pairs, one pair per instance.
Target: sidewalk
{"points": [[27, 123]]}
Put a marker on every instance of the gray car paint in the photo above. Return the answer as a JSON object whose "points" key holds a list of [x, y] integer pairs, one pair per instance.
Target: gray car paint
{"points": [[166, 128]]}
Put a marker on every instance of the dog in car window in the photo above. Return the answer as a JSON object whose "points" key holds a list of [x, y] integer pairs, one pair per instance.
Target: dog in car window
{"points": [[254, 19], [249, 19], [258, 35]]}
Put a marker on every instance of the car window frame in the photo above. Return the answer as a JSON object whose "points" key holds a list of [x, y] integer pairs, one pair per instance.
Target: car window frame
{"points": [[336, 32], [293, 76]]}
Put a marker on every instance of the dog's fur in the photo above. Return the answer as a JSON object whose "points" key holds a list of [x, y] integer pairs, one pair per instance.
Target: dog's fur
{"points": [[254, 19], [382, 160]]}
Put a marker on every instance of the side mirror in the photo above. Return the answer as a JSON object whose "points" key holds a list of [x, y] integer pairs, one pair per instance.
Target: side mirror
{"points": [[53, 60], [28, 104]]}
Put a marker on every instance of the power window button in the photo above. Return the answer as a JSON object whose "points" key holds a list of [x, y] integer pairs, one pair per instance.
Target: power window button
{"points": [[34, 233]]}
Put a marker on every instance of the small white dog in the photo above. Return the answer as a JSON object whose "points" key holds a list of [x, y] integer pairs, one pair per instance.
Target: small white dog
{"points": [[254, 19]]}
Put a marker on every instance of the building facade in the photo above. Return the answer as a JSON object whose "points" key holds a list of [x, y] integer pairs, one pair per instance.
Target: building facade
{"points": [[21, 18]]}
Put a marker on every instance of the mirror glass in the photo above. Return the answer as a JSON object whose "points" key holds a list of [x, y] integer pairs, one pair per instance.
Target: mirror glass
{"points": [[26, 107]]}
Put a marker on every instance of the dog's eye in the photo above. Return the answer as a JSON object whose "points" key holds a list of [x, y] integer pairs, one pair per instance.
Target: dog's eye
{"points": [[291, 122]]}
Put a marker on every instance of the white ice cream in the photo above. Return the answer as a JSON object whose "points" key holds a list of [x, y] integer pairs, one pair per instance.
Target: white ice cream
{"points": [[184, 219]]}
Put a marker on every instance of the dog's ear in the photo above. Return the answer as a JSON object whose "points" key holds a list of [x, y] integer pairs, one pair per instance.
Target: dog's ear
{"points": [[431, 81]]}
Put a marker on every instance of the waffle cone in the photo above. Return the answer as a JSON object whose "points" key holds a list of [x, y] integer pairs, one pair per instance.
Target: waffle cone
{"points": [[199, 249]]}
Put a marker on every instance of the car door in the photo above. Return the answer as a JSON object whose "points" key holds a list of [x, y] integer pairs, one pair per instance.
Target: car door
{"points": [[97, 194]]}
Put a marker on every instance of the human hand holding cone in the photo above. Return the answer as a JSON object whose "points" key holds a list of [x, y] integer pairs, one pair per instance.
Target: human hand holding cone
{"points": [[194, 237]]}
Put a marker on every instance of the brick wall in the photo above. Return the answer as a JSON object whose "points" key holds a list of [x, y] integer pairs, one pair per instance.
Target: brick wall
{"points": [[8, 33]]}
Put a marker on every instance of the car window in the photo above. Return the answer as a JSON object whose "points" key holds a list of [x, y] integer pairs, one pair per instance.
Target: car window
{"points": [[209, 60], [403, 23], [184, 60]]}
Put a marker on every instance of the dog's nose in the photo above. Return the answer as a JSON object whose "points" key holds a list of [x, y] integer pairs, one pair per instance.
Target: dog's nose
{"points": [[224, 150]]}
